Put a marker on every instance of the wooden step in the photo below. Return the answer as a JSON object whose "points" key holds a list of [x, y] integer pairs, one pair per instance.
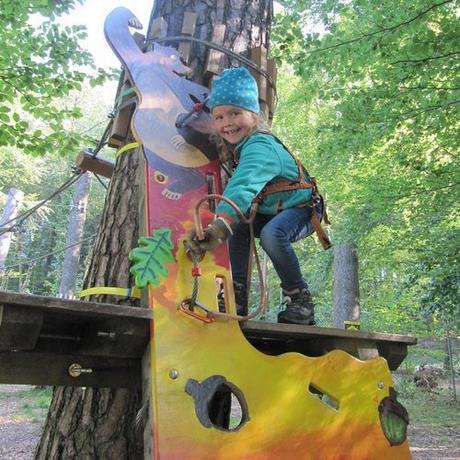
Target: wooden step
{"points": [[42, 337]]}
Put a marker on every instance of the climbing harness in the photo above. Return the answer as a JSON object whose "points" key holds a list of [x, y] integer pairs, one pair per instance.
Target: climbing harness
{"points": [[300, 183]]}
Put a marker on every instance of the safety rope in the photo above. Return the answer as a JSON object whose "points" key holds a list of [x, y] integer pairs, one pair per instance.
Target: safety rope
{"points": [[101, 181], [44, 256], [188, 305], [102, 141], [244, 60], [21, 217]]}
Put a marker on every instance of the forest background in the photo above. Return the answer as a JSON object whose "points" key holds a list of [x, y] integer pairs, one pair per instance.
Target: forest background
{"points": [[368, 98]]}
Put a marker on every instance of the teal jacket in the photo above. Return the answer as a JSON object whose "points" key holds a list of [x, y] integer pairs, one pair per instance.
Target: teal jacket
{"points": [[261, 158]]}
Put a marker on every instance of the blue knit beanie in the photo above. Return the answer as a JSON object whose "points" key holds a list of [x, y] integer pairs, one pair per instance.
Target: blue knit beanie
{"points": [[235, 87]]}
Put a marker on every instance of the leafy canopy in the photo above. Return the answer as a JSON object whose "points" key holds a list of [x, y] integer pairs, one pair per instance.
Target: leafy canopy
{"points": [[39, 64], [374, 107]]}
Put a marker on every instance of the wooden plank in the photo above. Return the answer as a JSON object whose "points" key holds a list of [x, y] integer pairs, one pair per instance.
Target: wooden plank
{"points": [[121, 125], [115, 337], [271, 100], [290, 331], [367, 352], [188, 29], [158, 29], [147, 400], [212, 65], [86, 161], [53, 369], [96, 329], [19, 328], [259, 57], [276, 339], [394, 355], [123, 112], [140, 40], [76, 307]]}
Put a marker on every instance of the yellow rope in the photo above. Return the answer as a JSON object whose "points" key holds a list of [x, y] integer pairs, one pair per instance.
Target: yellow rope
{"points": [[126, 147], [123, 292]]}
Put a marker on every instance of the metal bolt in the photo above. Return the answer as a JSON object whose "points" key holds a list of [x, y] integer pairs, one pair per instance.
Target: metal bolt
{"points": [[75, 370], [381, 385], [174, 373]]}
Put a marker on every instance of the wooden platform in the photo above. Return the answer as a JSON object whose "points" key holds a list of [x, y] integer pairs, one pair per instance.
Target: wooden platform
{"points": [[43, 340]]}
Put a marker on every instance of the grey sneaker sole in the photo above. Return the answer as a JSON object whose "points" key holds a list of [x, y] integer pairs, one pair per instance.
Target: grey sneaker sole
{"points": [[306, 322]]}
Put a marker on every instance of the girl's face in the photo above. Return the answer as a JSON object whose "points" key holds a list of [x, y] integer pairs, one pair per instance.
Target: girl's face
{"points": [[233, 123]]}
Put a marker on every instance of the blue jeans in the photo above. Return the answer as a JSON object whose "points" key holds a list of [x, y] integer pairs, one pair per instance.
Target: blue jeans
{"points": [[276, 233]]}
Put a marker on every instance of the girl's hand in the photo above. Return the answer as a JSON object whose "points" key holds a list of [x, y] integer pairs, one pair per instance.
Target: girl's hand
{"points": [[214, 235]]}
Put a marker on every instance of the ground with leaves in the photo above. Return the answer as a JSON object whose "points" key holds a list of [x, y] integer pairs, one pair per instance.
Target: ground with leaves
{"points": [[22, 414], [19, 431]]}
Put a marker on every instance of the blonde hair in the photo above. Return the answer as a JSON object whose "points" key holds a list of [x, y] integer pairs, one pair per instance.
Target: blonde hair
{"points": [[260, 124]]}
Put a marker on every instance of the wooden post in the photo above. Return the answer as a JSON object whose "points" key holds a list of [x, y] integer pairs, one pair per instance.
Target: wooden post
{"points": [[346, 285], [259, 57], [271, 98], [10, 211], [188, 29], [125, 104], [86, 161], [158, 29], [213, 59]]}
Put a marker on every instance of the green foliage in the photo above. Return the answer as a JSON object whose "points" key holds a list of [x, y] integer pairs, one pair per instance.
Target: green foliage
{"points": [[38, 65], [371, 102], [149, 259], [36, 403], [426, 408], [44, 232]]}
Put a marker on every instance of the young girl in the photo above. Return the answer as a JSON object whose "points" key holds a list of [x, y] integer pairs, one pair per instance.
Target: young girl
{"points": [[282, 218]]}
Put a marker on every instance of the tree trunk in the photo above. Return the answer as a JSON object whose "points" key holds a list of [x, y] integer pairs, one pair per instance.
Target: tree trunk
{"points": [[247, 24], [77, 217], [10, 211], [96, 422], [346, 285], [99, 423]]}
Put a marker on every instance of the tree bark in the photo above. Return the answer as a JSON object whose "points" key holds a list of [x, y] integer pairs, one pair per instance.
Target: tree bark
{"points": [[98, 423], [77, 217], [248, 25], [10, 211], [346, 285]]}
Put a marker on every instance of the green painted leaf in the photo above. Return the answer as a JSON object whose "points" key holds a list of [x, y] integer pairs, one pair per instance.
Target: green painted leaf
{"points": [[150, 257]]}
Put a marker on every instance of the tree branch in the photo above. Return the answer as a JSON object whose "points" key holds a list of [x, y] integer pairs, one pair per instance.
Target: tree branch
{"points": [[431, 88], [382, 30], [423, 190], [427, 109], [424, 60]]}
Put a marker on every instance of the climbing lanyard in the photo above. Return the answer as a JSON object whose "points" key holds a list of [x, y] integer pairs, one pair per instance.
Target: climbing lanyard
{"points": [[188, 305]]}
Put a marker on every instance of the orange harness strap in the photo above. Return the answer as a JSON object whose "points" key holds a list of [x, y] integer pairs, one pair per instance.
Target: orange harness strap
{"points": [[300, 183]]}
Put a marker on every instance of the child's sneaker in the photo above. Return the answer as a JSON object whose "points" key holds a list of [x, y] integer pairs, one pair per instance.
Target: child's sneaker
{"points": [[299, 309]]}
